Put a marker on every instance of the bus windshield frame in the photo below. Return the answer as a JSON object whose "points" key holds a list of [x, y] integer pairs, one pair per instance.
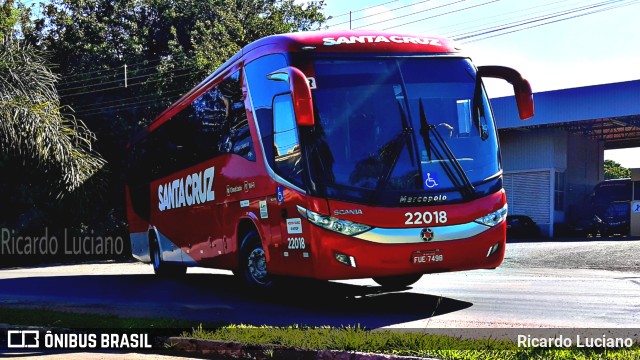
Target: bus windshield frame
{"points": [[392, 127]]}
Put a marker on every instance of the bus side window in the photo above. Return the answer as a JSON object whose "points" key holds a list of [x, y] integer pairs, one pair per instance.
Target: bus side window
{"points": [[207, 118], [236, 137], [262, 91], [286, 146], [172, 144]]}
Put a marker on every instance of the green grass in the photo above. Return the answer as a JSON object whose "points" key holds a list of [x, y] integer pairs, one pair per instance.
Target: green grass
{"points": [[411, 343]]}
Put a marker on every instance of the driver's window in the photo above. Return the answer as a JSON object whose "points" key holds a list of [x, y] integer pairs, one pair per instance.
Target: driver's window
{"points": [[286, 146]]}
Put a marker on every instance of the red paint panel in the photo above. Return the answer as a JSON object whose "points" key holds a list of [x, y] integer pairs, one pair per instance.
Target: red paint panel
{"points": [[136, 222]]}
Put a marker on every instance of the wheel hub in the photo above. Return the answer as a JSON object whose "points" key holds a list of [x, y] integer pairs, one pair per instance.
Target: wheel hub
{"points": [[257, 265]]}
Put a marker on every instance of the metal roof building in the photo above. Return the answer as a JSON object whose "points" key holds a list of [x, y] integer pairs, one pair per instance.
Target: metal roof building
{"points": [[552, 161]]}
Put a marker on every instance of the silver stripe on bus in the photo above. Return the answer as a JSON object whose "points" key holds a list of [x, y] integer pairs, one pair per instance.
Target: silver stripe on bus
{"points": [[173, 253], [412, 235], [140, 246]]}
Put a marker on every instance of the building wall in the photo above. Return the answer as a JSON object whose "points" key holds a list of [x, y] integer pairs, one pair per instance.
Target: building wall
{"points": [[567, 165], [533, 149], [529, 159], [586, 163], [528, 194]]}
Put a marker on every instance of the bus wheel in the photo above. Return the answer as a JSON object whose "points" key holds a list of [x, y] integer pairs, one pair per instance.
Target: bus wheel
{"points": [[399, 281], [254, 263], [160, 267]]}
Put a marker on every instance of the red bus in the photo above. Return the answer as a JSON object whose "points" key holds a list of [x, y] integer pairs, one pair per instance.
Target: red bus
{"points": [[326, 155]]}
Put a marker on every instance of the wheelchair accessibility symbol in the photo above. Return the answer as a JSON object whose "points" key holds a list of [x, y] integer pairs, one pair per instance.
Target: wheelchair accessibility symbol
{"points": [[430, 182], [280, 194]]}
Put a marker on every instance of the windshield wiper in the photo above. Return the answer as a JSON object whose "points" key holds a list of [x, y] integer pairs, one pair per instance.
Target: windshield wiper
{"points": [[397, 144], [478, 110], [425, 130], [408, 130], [457, 175]]}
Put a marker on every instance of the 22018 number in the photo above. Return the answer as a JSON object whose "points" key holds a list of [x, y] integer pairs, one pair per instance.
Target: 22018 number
{"points": [[296, 243], [425, 218]]}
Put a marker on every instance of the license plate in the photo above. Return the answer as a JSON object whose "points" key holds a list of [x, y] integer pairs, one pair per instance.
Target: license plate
{"points": [[424, 257]]}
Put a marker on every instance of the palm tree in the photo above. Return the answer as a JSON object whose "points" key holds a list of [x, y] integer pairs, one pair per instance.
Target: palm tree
{"points": [[32, 123]]}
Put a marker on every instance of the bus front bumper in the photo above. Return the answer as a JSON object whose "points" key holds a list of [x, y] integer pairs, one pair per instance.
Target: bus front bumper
{"points": [[343, 257]]}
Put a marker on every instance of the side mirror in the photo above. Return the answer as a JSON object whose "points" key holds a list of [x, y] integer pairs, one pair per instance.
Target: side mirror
{"points": [[521, 87], [300, 93]]}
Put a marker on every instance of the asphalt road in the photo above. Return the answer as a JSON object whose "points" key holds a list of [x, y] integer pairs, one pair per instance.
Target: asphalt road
{"points": [[541, 284]]}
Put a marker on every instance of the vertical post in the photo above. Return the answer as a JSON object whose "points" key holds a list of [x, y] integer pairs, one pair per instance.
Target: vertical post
{"points": [[552, 200], [125, 75], [349, 20], [634, 215]]}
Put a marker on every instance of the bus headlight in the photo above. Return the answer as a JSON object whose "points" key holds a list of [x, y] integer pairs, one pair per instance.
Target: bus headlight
{"points": [[494, 218], [344, 227]]}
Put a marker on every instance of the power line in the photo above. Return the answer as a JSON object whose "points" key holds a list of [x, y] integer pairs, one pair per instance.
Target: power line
{"points": [[130, 104], [105, 103], [124, 106], [119, 87], [105, 83], [363, 9], [116, 72], [120, 80], [595, 8], [446, 13], [482, 30], [101, 70], [370, 15], [119, 72], [551, 22], [528, 10], [417, 12], [530, 19]]}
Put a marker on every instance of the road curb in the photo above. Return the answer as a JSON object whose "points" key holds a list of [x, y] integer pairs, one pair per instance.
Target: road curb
{"points": [[234, 350]]}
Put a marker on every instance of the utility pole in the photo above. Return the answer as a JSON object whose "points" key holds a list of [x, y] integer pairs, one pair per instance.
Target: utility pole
{"points": [[349, 20], [125, 75]]}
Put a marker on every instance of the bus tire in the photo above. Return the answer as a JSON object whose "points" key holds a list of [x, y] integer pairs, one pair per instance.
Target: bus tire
{"points": [[398, 281], [253, 262], [160, 267]]}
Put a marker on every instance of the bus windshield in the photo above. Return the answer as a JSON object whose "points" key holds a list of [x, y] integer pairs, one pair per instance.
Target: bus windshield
{"points": [[406, 124]]}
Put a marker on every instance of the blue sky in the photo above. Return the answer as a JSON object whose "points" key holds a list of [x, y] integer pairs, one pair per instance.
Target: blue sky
{"points": [[592, 49]]}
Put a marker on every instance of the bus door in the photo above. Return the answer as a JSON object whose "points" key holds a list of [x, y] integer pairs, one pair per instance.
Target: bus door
{"points": [[294, 243]]}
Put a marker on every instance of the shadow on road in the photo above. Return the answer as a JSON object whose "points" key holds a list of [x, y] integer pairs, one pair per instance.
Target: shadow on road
{"points": [[219, 298]]}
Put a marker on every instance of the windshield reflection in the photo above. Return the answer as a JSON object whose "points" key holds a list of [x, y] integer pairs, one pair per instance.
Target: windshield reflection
{"points": [[367, 111]]}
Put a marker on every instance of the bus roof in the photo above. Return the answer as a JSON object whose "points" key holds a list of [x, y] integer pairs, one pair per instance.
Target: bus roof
{"points": [[336, 41], [354, 41]]}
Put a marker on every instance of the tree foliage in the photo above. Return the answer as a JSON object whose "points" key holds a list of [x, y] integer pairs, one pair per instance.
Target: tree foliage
{"points": [[168, 45], [13, 17], [44, 152], [32, 125], [614, 170]]}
